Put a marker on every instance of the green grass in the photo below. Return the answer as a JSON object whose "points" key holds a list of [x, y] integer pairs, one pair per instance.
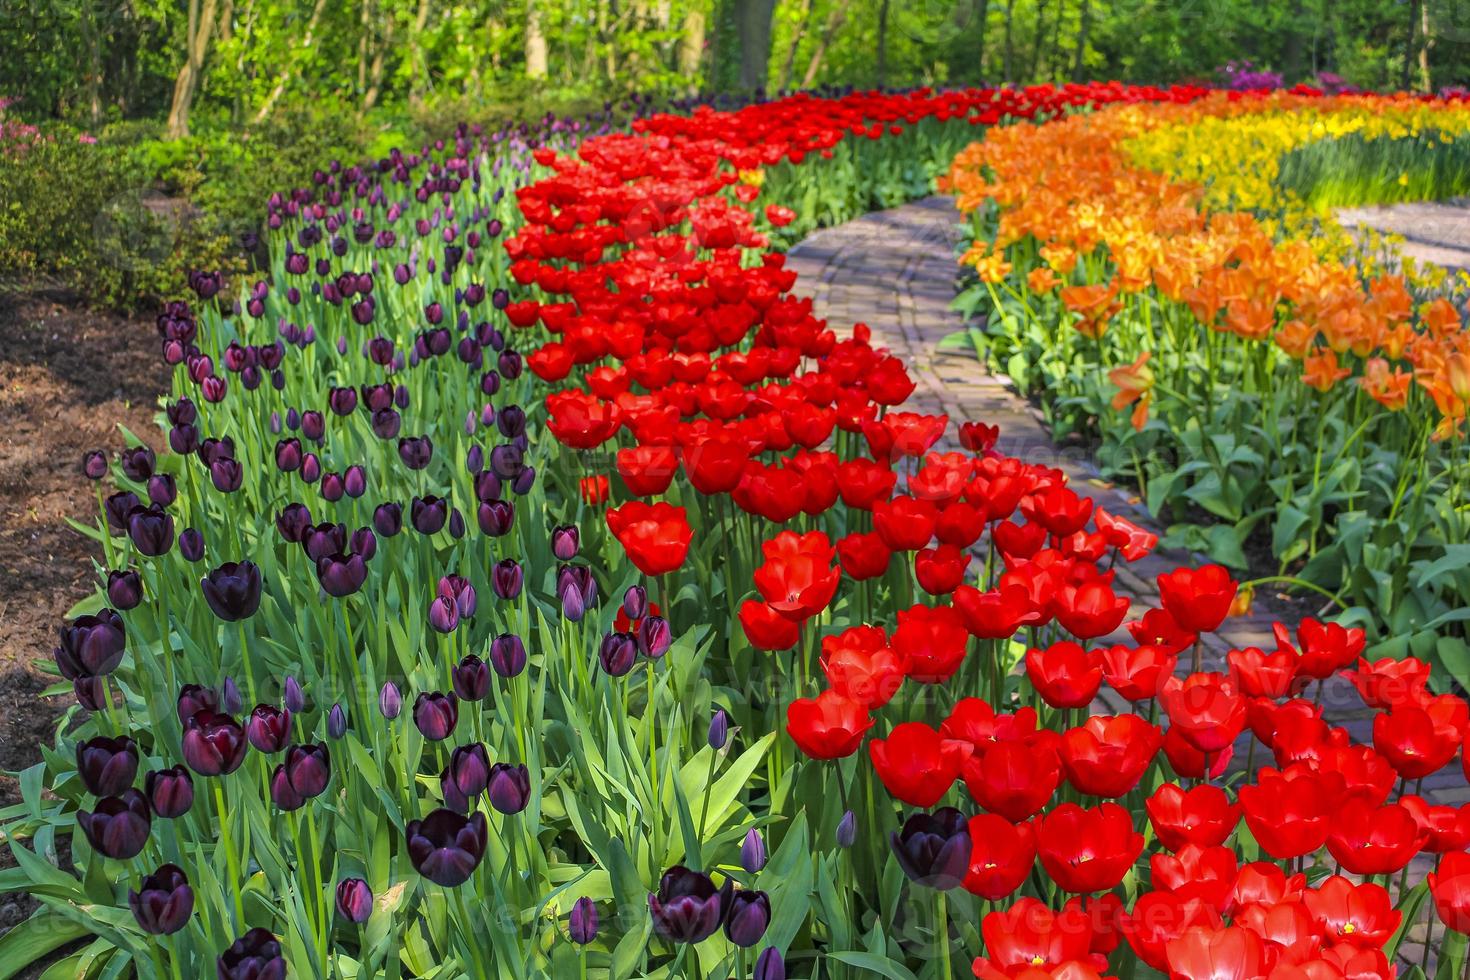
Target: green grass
{"points": [[1350, 171]]}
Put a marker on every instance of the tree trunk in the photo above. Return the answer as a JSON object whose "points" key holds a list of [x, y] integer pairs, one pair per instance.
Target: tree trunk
{"points": [[535, 41], [753, 25], [882, 43], [1083, 24], [1426, 42], [802, 23], [1291, 58], [186, 85], [375, 70], [1010, 49], [1040, 38], [835, 19], [982, 13], [1413, 34], [306, 41], [1054, 50], [691, 47]]}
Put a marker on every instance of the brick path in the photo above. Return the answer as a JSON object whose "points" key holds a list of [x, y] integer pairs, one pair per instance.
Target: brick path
{"points": [[1436, 232], [895, 271]]}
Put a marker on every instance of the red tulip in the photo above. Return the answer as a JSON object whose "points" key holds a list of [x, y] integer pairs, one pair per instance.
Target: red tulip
{"points": [[1206, 709], [828, 726], [940, 570], [1001, 856], [1136, 673], [1028, 934], [1188, 762], [1198, 599], [960, 524], [1014, 779], [1064, 674], [905, 523], [1132, 541], [654, 536], [997, 614], [1205, 873], [863, 556], [1361, 915], [1388, 683], [1418, 740], [1060, 510], [798, 586], [647, 470], [1202, 815], [1104, 914], [1374, 840], [1087, 850], [1446, 828], [1258, 674], [1108, 756], [1089, 610], [716, 464], [767, 629], [976, 722], [1450, 886], [933, 641], [1158, 628], [1161, 917], [1203, 953], [1327, 647], [1263, 883], [916, 764], [861, 666], [1290, 813], [864, 483]]}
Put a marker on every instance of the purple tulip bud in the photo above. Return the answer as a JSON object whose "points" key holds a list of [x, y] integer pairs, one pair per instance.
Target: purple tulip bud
{"points": [[107, 766], [163, 902], [582, 923], [487, 488], [687, 908], [471, 679], [507, 655], [572, 606], [226, 475], [496, 517], [510, 787], [342, 401], [354, 481], [282, 793], [748, 917], [719, 729], [118, 826], [654, 636], [194, 699], [288, 455], [124, 589], [465, 777], [364, 543], [138, 463], [769, 965], [524, 481], [151, 530], [565, 540], [341, 575], [388, 519], [429, 513], [443, 615], [415, 451], [507, 577], [311, 468], [933, 849], [229, 697], [91, 646], [336, 721], [474, 460], [753, 851], [354, 900], [254, 956], [214, 744], [293, 697], [191, 545], [456, 524], [313, 425], [117, 507], [618, 653], [268, 728], [309, 769], [232, 590], [446, 847], [435, 715], [94, 464], [847, 830], [162, 490], [170, 791], [386, 423], [390, 701], [635, 602]]}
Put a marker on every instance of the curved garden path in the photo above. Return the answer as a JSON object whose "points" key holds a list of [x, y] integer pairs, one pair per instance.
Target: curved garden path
{"points": [[895, 270]]}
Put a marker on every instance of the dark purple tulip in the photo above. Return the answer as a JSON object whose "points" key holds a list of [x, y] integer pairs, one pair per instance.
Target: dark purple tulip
{"points": [[293, 698], [443, 615], [342, 401], [288, 455], [214, 744], [747, 918], [635, 602], [428, 513], [753, 851], [618, 653], [687, 908], [226, 475], [333, 487], [233, 590], [572, 606], [311, 468], [582, 923], [138, 463], [380, 351], [124, 589], [162, 490], [933, 849], [487, 488], [769, 965], [117, 507], [354, 900], [495, 517], [354, 481], [341, 575], [471, 679], [308, 769], [523, 483], [336, 721], [511, 421], [415, 451], [321, 540], [507, 461], [213, 450], [181, 412], [191, 545], [510, 787], [565, 540], [847, 830], [107, 766], [719, 729], [654, 636], [507, 577], [151, 529], [293, 522], [509, 365], [456, 524], [446, 847], [507, 655], [118, 826], [94, 464], [268, 728], [466, 776], [194, 699], [313, 425], [435, 715], [184, 439], [254, 956], [283, 794], [390, 701], [386, 423], [364, 542], [91, 646], [163, 902], [90, 692], [170, 791], [578, 577], [458, 589], [388, 519], [377, 397]]}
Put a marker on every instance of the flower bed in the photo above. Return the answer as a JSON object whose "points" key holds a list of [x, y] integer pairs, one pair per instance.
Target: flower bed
{"points": [[1159, 290], [682, 652]]}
